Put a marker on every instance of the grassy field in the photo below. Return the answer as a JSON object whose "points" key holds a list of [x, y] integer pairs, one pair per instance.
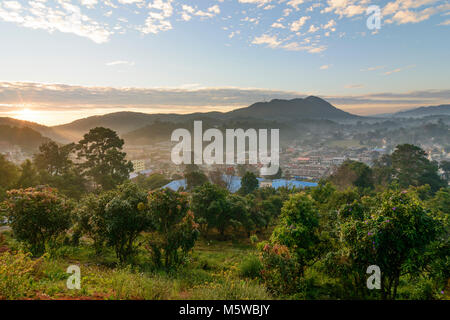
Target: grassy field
{"points": [[214, 270]]}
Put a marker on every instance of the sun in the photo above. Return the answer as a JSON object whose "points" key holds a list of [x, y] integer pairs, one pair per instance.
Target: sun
{"points": [[26, 114]]}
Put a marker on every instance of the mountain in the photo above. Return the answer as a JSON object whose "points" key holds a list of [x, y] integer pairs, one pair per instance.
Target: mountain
{"points": [[275, 110], [45, 131], [443, 109], [26, 138], [308, 108]]}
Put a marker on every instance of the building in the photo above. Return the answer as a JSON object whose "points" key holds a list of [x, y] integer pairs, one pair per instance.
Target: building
{"points": [[138, 165]]}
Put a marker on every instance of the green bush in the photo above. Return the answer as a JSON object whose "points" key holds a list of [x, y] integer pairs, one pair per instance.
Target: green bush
{"points": [[38, 216], [172, 230], [16, 275], [281, 272]]}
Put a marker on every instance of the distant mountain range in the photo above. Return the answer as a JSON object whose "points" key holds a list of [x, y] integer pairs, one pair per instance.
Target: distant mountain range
{"points": [[443, 109], [143, 128], [275, 110]]}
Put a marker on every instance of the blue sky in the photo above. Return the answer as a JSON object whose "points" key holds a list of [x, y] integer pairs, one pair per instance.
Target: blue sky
{"points": [[62, 55]]}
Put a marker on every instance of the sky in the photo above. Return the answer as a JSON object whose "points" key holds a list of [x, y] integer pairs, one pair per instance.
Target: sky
{"points": [[66, 59]]}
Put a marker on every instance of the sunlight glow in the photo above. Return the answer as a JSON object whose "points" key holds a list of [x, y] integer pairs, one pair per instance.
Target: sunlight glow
{"points": [[27, 115]]}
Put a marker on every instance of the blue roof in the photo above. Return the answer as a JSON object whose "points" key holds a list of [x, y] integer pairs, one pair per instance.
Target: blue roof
{"points": [[176, 184], [234, 183]]}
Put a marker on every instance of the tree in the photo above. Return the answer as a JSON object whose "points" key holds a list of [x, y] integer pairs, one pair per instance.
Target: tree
{"points": [[445, 166], [249, 183], [240, 214], [53, 158], [383, 171], [90, 217], [298, 229], [412, 168], [9, 174], [352, 174], [395, 235], [29, 176], [211, 207], [37, 216], [172, 228], [195, 179], [104, 162], [125, 219]]}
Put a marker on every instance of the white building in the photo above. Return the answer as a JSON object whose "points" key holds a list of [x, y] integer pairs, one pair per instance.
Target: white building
{"points": [[138, 165]]}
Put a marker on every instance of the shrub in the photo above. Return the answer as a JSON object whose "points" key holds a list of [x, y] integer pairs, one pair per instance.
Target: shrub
{"points": [[90, 218], [172, 227], [37, 216], [125, 219], [16, 274], [280, 271], [298, 229]]}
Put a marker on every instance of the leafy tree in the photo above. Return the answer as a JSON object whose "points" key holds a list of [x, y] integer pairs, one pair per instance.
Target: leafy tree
{"points": [[195, 179], [211, 207], [172, 227], [53, 158], [241, 215], [412, 168], [394, 235], [440, 255], [352, 174], [37, 216], [104, 162], [90, 217], [249, 183], [29, 176], [298, 229], [125, 219], [9, 174], [445, 166], [383, 171]]}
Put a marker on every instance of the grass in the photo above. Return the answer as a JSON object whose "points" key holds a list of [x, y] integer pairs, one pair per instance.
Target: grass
{"points": [[212, 272], [217, 270]]}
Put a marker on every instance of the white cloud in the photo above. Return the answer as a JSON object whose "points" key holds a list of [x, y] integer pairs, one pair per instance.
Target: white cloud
{"points": [[270, 41], [67, 19], [295, 3], [258, 2], [313, 29], [278, 25], [325, 67], [120, 62], [296, 25], [398, 70]]}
